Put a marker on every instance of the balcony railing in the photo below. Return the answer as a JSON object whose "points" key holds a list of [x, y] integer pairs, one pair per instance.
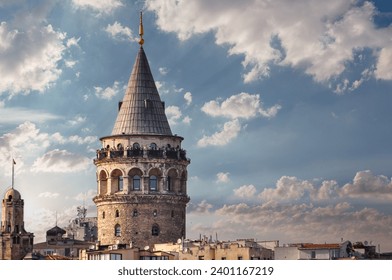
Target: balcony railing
{"points": [[170, 153]]}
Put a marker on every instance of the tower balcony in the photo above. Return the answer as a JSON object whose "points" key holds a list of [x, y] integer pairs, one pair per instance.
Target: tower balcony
{"points": [[150, 153]]}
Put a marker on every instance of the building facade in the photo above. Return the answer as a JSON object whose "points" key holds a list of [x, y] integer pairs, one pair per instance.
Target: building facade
{"points": [[15, 241], [311, 251], [58, 245], [141, 169]]}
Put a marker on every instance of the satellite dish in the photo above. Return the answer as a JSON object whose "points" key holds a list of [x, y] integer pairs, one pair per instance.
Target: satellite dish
{"points": [[146, 248], [179, 241], [366, 243]]}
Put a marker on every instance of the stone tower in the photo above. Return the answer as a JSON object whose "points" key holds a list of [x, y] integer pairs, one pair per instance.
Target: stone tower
{"points": [[15, 242], [141, 169]]}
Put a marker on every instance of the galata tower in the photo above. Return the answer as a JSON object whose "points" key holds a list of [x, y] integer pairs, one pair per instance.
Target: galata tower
{"points": [[141, 169]]}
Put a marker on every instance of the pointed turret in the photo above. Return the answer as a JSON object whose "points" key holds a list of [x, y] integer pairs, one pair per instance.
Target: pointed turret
{"points": [[141, 111], [141, 169]]}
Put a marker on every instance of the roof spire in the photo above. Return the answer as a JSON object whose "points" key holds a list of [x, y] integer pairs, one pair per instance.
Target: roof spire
{"points": [[141, 31]]}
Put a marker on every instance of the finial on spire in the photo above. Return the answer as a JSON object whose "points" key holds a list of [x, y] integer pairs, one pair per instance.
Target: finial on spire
{"points": [[141, 31]]}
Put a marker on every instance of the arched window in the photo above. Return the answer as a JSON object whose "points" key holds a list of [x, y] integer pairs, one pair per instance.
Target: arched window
{"points": [[117, 213], [117, 181], [120, 183], [153, 183], [120, 147], [117, 230], [153, 146], [102, 183], [136, 183], [155, 230], [135, 213], [169, 183], [136, 146]]}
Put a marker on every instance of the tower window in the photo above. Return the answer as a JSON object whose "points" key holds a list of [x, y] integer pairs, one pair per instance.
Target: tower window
{"points": [[103, 215], [153, 183], [120, 183], [155, 230], [136, 146], [117, 230], [136, 183], [169, 183], [117, 214], [135, 213], [155, 213], [153, 146]]}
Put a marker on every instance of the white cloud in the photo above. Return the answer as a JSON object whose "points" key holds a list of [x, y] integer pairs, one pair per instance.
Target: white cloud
{"points": [[163, 70], [101, 6], [245, 191], [287, 189], [174, 115], [73, 42], [223, 177], [327, 191], [242, 105], [384, 68], [365, 185], [24, 141], [86, 196], [229, 132], [188, 98], [107, 93], [303, 223], [202, 208], [29, 58], [70, 63], [77, 120], [48, 195], [17, 115], [187, 120], [239, 106], [60, 161], [319, 38], [119, 32]]}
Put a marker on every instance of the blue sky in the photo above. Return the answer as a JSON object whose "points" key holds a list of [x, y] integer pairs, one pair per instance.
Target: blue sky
{"points": [[284, 107]]}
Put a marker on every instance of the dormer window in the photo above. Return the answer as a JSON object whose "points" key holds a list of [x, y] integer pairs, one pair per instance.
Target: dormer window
{"points": [[147, 103]]}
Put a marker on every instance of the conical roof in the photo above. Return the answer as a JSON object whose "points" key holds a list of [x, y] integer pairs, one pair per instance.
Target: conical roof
{"points": [[141, 111]]}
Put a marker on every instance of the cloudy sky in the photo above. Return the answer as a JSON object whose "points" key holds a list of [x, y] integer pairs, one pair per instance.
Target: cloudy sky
{"points": [[285, 108]]}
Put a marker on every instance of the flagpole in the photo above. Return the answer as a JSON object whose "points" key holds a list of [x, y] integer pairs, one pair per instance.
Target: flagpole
{"points": [[13, 173]]}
